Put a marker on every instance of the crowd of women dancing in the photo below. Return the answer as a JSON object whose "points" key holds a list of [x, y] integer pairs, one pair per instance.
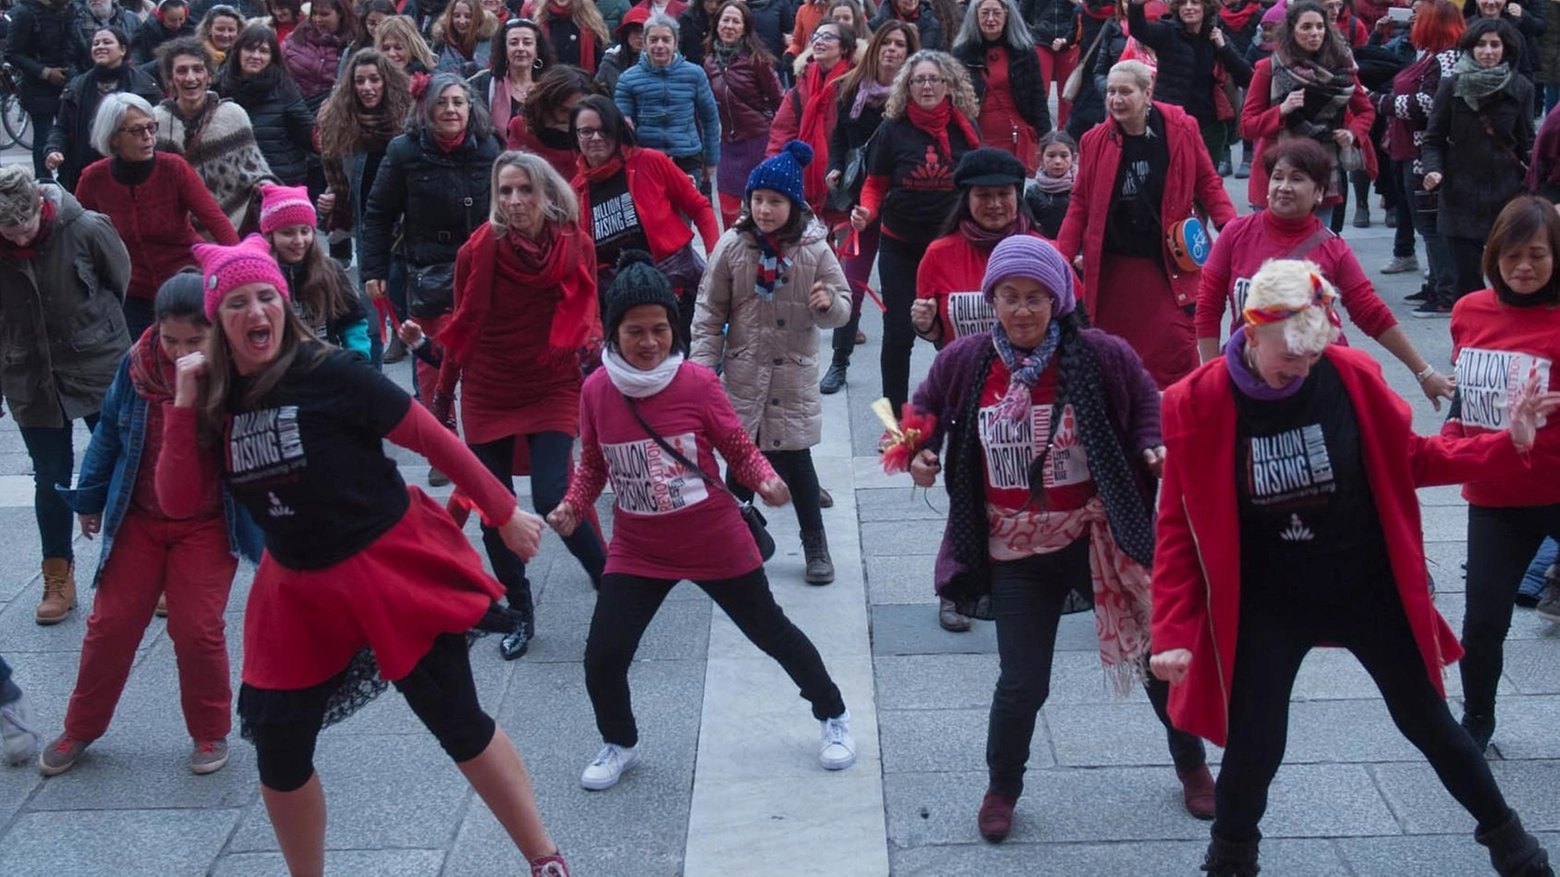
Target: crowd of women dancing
{"points": [[608, 237]]}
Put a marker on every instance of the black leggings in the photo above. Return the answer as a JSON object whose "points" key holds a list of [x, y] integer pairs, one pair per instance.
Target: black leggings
{"points": [[796, 469], [626, 605], [898, 263], [1027, 598], [1501, 544], [1271, 645], [551, 459], [439, 690], [1467, 264]]}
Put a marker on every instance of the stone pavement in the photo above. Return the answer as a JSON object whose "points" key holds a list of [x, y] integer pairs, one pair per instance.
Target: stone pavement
{"points": [[729, 784]]}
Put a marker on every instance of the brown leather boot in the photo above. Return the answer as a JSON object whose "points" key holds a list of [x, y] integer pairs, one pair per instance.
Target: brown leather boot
{"points": [[59, 590]]}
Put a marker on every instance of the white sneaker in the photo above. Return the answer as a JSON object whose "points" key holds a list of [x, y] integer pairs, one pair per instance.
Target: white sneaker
{"points": [[839, 747], [21, 739], [607, 769]]}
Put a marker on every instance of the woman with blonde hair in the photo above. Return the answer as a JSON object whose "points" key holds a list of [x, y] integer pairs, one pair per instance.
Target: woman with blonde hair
{"points": [[525, 318], [928, 125], [576, 30], [1296, 452], [463, 36], [218, 30], [400, 41]]}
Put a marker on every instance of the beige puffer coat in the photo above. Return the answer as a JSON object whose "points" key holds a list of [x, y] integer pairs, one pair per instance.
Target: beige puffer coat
{"points": [[770, 366]]}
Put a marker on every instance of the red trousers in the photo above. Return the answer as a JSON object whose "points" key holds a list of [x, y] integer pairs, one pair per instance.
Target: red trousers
{"points": [[1056, 67], [189, 559]]}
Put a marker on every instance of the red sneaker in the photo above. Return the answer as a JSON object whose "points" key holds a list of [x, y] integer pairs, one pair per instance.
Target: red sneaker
{"points": [[996, 816], [1197, 790]]}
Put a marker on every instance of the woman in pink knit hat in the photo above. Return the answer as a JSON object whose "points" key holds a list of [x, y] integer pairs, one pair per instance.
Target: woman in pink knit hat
{"points": [[364, 579], [321, 292]]}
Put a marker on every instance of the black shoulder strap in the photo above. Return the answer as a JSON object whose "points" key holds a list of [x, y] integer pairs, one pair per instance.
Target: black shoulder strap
{"points": [[1320, 236], [665, 446]]}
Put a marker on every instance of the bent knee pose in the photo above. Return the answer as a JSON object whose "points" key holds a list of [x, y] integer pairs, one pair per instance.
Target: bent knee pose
{"points": [[1052, 442], [355, 561], [1336, 557], [652, 422]]}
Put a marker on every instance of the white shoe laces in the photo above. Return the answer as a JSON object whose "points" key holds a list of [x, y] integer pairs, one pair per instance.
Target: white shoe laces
{"points": [[835, 732], [610, 757]]}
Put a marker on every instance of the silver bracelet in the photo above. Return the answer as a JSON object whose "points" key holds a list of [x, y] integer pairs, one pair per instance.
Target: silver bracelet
{"points": [[1425, 375]]}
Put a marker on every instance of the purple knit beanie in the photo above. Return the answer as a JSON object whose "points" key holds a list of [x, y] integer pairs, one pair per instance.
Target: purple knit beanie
{"points": [[224, 269], [1027, 256]]}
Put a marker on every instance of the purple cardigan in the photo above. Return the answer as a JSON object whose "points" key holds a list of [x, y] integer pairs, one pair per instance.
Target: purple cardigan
{"points": [[960, 371]]}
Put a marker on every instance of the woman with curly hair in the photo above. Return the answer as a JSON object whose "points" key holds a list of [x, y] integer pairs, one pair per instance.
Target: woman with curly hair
{"points": [[462, 37], [928, 125], [576, 30]]}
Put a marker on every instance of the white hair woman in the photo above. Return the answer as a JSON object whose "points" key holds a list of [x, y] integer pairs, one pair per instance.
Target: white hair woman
{"points": [[150, 196], [1298, 449], [525, 317]]}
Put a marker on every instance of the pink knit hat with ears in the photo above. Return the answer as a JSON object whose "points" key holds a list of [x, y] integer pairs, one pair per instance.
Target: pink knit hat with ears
{"points": [[281, 206], [224, 269]]}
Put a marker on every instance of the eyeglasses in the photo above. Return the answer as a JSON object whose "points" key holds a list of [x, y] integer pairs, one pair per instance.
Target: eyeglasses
{"points": [[590, 133], [927, 81], [147, 130], [824, 36], [1031, 303]]}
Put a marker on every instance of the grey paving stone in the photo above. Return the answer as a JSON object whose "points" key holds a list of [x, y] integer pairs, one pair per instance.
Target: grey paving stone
{"points": [[889, 539], [1533, 666], [124, 772], [1445, 561], [1433, 854], [1015, 858], [898, 504], [1444, 523], [899, 629], [901, 580], [922, 682], [1326, 800], [16, 786], [930, 741], [1101, 735], [1527, 728], [680, 631], [383, 792], [1424, 807], [114, 843], [381, 863]]}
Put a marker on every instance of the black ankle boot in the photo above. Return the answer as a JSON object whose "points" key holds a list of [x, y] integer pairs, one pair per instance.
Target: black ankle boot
{"points": [[1480, 727], [1231, 859], [1514, 852], [820, 567], [834, 379]]}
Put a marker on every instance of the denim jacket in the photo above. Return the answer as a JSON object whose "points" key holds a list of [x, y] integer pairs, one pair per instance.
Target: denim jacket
{"points": [[109, 469]]}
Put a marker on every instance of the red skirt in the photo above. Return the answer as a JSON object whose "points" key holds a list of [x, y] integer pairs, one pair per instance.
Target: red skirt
{"points": [[1133, 301], [420, 579]]}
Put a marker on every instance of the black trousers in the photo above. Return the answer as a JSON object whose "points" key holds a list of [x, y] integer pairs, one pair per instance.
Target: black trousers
{"points": [[439, 690], [1271, 645], [1026, 598], [1467, 264], [140, 313], [796, 469], [551, 460], [626, 605], [1501, 543], [898, 263]]}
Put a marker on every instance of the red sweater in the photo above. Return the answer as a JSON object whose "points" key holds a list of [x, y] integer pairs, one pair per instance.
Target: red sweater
{"points": [[951, 273], [659, 505], [1252, 240], [1261, 121], [1197, 557], [1496, 348], [153, 218], [1190, 180], [660, 190]]}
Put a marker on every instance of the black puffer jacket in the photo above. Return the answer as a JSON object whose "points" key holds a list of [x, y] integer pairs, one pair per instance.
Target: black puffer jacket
{"points": [[71, 135], [926, 23], [1051, 20], [1187, 62], [440, 198], [42, 36], [1478, 173], [1088, 108], [283, 123], [1023, 78], [151, 34], [773, 21]]}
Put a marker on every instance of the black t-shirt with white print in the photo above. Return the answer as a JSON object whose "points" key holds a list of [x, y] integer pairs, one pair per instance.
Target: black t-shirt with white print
{"points": [[307, 460], [614, 222], [1309, 529]]}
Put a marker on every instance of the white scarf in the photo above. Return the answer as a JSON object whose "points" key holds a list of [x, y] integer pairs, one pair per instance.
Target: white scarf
{"points": [[635, 382]]}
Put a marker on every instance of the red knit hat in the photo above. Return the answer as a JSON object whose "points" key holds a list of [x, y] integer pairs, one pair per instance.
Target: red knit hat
{"points": [[281, 206], [224, 269]]}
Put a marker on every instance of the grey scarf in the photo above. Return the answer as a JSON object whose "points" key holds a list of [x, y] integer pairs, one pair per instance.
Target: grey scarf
{"points": [[1474, 83]]}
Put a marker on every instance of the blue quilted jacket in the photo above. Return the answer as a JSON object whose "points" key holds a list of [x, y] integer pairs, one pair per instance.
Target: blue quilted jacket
{"points": [[672, 108]]}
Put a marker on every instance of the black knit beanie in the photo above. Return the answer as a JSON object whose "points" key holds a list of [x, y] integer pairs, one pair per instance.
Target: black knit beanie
{"points": [[639, 282]]}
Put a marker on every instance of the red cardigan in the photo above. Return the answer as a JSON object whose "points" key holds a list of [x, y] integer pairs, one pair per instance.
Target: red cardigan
{"points": [[660, 190], [1260, 121], [1189, 180], [153, 218], [1197, 556]]}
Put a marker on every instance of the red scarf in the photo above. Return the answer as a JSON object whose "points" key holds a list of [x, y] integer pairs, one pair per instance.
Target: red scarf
{"points": [[151, 371], [935, 124], [560, 258], [587, 36], [45, 231], [449, 144], [1235, 20], [822, 95], [607, 169]]}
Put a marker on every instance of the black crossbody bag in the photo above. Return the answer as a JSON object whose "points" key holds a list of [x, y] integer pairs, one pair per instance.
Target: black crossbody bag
{"points": [[750, 513]]}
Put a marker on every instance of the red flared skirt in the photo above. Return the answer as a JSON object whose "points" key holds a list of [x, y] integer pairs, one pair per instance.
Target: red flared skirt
{"points": [[1133, 301]]}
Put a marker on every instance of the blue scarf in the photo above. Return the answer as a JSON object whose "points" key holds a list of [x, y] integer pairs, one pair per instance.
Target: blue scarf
{"points": [[772, 266], [1024, 367]]}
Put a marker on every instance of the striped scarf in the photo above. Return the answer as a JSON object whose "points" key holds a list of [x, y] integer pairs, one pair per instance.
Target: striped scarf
{"points": [[772, 265]]}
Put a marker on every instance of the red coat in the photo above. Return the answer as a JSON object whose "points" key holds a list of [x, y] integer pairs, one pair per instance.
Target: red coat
{"points": [[153, 219], [1260, 121], [1189, 180], [660, 190], [1197, 556]]}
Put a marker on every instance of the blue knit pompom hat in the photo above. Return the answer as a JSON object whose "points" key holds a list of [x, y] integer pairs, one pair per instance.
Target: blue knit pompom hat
{"points": [[782, 173], [1030, 257]]}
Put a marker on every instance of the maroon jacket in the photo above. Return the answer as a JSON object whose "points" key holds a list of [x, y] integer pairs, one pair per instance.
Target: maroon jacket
{"points": [[747, 93]]}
